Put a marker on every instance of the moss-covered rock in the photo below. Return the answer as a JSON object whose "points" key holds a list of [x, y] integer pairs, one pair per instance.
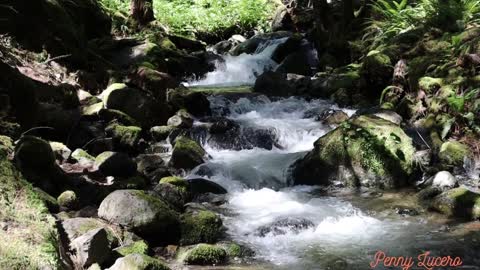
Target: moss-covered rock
{"points": [[115, 164], [366, 151], [194, 102], [29, 240], [187, 154], [109, 115], [138, 262], [92, 109], [458, 202], [75, 227], [204, 254], [137, 247], [61, 151], [82, 157], [176, 181], [182, 119], [124, 137], [453, 153], [68, 200], [430, 85], [160, 133], [145, 214], [377, 70], [200, 227], [175, 191]]}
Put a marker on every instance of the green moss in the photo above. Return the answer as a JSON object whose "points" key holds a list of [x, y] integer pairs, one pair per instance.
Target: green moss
{"points": [[140, 262], [430, 85], [160, 133], [93, 109], [67, 199], [453, 153], [30, 241], [200, 227], [123, 118], [234, 250], [176, 181], [204, 254], [125, 136], [113, 87], [80, 154], [459, 202], [137, 247]]}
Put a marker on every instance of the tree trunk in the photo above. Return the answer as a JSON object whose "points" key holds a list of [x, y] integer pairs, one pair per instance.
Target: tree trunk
{"points": [[142, 11]]}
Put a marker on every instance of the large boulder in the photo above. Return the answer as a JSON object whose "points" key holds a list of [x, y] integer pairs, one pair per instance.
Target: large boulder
{"points": [[138, 262], [187, 154], [153, 81], [174, 190], [273, 84], [366, 151], [78, 226], [297, 63], [91, 247], [145, 214], [195, 103], [377, 69], [125, 138], [182, 119]]}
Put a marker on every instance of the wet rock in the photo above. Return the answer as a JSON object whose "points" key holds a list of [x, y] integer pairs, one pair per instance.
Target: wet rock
{"points": [[377, 152], [83, 158], [153, 81], [140, 262], [223, 125], [109, 115], [237, 137], [187, 154], [296, 63], [115, 164], [182, 119], [284, 226], [406, 211], [200, 227], [152, 166], [200, 186], [136, 247], [444, 180], [389, 116], [91, 247], [186, 43], [204, 254], [292, 44], [458, 202], [251, 45], [273, 84], [157, 220]]}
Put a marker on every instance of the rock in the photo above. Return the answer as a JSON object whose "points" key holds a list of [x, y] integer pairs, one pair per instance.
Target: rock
{"points": [[452, 153], [68, 200], [34, 154], [91, 247], [182, 119], [200, 186], [134, 102], [200, 227], [137, 247], [284, 226], [273, 84], [78, 226], [125, 138], [195, 103], [115, 164], [82, 157], [204, 254], [153, 81], [292, 44], [458, 202], [145, 214], [282, 20], [160, 133], [187, 154], [152, 166], [377, 69], [174, 190], [236, 137], [406, 211], [375, 152], [444, 180], [237, 252], [222, 125], [251, 45], [138, 262], [296, 63], [60, 150], [109, 115], [389, 116], [186, 43]]}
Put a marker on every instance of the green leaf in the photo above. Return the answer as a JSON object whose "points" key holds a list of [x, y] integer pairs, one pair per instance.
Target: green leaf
{"points": [[457, 103]]}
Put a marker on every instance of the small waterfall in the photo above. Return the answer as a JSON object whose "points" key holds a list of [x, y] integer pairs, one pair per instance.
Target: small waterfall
{"points": [[242, 69]]}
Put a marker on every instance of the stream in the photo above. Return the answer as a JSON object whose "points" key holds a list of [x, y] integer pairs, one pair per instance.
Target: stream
{"points": [[303, 227]]}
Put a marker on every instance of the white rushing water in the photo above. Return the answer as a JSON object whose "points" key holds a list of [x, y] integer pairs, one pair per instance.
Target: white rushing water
{"points": [[242, 69], [341, 236]]}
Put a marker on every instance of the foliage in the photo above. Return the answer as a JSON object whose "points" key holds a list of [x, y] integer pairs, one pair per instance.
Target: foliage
{"points": [[190, 17]]}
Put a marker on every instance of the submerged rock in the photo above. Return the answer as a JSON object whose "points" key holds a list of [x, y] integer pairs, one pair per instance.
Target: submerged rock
{"points": [[284, 226], [374, 152]]}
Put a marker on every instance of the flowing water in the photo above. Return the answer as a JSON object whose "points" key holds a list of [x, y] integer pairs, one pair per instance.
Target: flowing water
{"points": [[347, 227]]}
